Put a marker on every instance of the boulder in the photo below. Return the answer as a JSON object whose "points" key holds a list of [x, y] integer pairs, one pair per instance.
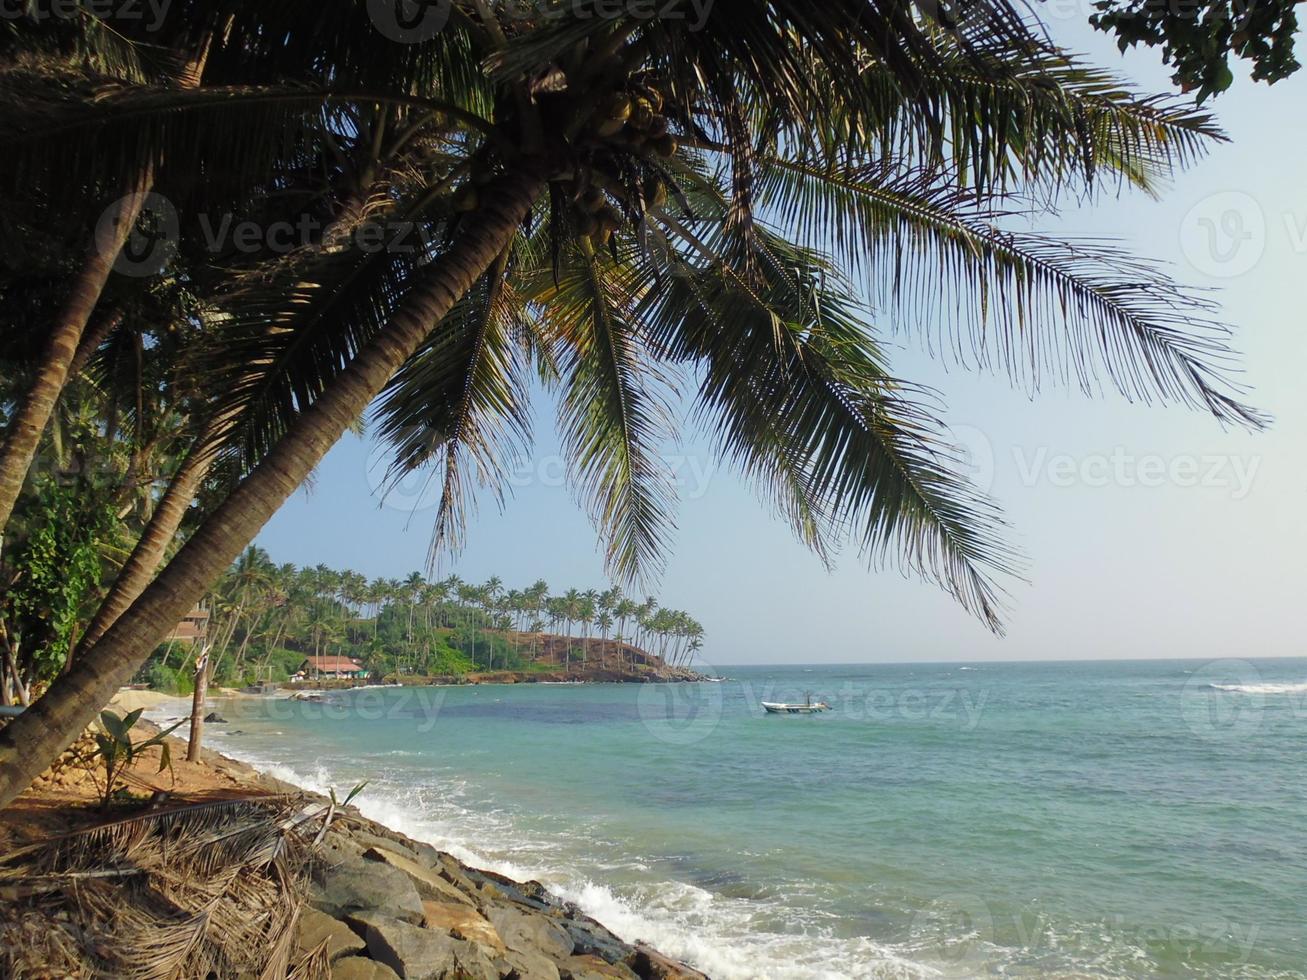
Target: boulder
{"points": [[594, 968], [361, 968], [213, 718], [649, 964], [423, 854], [590, 938], [463, 922], [416, 953], [527, 966], [527, 931], [452, 870], [429, 884], [355, 885], [336, 848], [315, 927]]}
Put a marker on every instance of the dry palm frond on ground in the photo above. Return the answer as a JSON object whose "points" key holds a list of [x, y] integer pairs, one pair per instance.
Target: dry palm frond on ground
{"points": [[207, 890]]}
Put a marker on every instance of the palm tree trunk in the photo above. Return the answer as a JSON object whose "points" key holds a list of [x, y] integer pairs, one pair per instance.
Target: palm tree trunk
{"points": [[31, 742], [29, 421]]}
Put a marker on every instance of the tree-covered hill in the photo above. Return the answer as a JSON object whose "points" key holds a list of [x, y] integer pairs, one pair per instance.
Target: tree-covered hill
{"points": [[266, 619]]}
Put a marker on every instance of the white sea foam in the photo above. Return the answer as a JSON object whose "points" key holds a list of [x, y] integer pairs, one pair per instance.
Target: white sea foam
{"points": [[1262, 688]]}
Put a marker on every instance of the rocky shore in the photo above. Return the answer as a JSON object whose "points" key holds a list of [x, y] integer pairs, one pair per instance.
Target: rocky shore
{"points": [[376, 904], [387, 906]]}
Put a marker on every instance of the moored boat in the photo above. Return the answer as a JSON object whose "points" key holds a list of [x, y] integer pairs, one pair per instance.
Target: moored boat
{"points": [[809, 707]]}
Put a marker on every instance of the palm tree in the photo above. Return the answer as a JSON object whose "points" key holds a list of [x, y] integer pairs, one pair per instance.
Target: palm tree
{"points": [[646, 177]]}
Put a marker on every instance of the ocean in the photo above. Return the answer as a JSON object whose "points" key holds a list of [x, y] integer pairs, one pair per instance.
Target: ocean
{"points": [[1107, 819]]}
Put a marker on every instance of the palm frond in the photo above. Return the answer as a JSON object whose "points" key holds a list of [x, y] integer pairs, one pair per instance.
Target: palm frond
{"points": [[459, 406], [1033, 305], [614, 412], [797, 395]]}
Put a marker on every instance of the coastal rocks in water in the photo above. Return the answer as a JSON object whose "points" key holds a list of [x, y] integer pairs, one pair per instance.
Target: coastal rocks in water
{"points": [[649, 964], [416, 953], [590, 938], [428, 883], [525, 931], [213, 718], [463, 922], [361, 968], [315, 927], [355, 885]]}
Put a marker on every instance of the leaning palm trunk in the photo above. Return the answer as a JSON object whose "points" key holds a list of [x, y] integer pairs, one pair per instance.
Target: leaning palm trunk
{"points": [[29, 421], [32, 741]]}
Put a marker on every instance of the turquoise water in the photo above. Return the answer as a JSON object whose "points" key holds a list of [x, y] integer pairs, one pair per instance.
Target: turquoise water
{"points": [[1019, 820]]}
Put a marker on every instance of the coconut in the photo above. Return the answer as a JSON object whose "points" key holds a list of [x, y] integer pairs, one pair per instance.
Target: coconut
{"points": [[642, 114]]}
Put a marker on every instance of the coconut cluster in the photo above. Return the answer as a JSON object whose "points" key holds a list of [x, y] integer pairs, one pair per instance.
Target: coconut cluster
{"points": [[629, 122]]}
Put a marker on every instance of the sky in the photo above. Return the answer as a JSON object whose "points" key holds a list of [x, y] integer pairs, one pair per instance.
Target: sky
{"points": [[1147, 532]]}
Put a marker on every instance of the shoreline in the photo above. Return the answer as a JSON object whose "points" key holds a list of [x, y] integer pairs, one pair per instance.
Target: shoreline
{"points": [[388, 905]]}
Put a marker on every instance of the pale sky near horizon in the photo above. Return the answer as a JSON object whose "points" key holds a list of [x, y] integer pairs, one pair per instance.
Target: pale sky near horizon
{"points": [[1149, 532]]}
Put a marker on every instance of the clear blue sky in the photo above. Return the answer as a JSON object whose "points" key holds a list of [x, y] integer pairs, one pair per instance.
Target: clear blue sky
{"points": [[1150, 532]]}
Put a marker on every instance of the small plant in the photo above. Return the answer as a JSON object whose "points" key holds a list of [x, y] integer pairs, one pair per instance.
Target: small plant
{"points": [[115, 752]]}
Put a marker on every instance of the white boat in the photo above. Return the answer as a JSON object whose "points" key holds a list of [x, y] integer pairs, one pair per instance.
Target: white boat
{"points": [[809, 707]]}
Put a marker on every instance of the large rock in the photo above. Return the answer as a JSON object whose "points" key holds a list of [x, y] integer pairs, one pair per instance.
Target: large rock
{"points": [[528, 931], [594, 968], [527, 966], [423, 854], [355, 885], [463, 922], [591, 938], [361, 968], [315, 927], [428, 883], [416, 953], [649, 964]]}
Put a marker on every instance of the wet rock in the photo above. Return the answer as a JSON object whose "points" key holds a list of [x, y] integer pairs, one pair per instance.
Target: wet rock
{"points": [[528, 931], [213, 718], [315, 926], [463, 922], [355, 885], [429, 884], [532, 894], [590, 938], [361, 968], [416, 953], [649, 964]]}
